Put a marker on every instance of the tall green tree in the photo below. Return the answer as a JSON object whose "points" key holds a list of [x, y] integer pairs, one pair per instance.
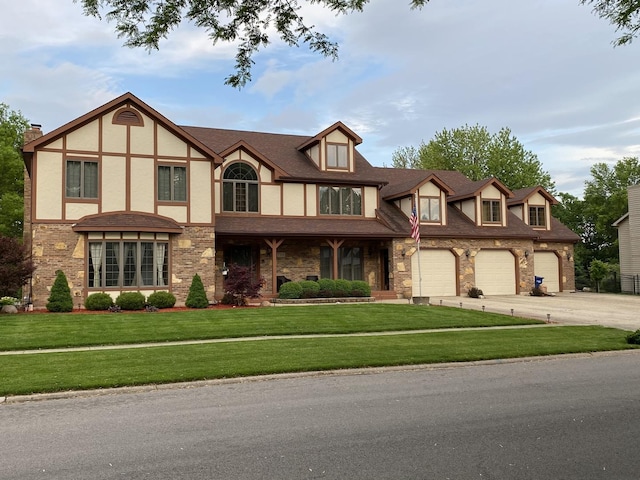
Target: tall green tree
{"points": [[622, 14], [12, 128], [606, 200], [144, 23], [479, 154]]}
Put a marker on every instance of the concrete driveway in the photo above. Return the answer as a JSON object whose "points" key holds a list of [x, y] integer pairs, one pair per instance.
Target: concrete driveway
{"points": [[579, 308]]}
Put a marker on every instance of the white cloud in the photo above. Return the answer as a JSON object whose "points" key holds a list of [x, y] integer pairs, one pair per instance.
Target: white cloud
{"points": [[545, 69]]}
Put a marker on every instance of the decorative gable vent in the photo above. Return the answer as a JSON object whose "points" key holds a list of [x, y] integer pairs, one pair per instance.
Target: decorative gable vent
{"points": [[128, 116]]}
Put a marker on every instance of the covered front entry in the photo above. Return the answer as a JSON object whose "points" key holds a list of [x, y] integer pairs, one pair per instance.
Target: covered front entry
{"points": [[496, 272], [438, 271], [547, 265]]}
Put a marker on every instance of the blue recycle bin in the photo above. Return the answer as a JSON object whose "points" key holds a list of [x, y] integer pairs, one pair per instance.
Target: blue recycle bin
{"points": [[538, 281]]}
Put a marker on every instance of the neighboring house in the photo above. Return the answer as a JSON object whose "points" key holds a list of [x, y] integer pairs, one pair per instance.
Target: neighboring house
{"points": [[123, 199], [629, 243]]}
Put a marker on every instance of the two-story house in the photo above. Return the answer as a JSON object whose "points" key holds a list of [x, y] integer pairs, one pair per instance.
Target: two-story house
{"points": [[123, 199]]}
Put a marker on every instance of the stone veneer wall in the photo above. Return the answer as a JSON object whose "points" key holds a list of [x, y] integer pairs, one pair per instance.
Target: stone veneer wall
{"points": [[57, 247], [193, 252], [402, 281]]}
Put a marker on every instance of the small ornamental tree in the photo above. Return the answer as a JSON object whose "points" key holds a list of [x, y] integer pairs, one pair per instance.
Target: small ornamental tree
{"points": [[597, 271], [60, 299], [240, 285], [15, 267], [197, 297]]}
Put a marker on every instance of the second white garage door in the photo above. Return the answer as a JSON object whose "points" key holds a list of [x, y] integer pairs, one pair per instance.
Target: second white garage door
{"points": [[438, 271], [496, 272], [546, 265]]}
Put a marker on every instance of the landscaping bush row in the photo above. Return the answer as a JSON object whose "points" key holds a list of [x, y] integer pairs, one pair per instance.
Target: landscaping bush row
{"points": [[324, 288], [129, 301]]}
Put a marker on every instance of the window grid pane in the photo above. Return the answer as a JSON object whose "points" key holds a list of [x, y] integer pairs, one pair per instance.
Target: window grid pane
{"points": [[164, 183], [128, 264], [90, 180], [73, 178], [180, 184]]}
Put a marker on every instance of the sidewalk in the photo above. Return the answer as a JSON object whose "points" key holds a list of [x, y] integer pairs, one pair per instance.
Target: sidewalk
{"points": [[253, 339]]}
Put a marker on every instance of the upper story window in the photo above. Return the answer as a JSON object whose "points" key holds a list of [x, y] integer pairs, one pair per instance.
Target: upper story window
{"points": [[172, 183], [430, 209], [537, 216], [82, 179], [491, 211], [337, 156], [240, 189], [340, 201]]}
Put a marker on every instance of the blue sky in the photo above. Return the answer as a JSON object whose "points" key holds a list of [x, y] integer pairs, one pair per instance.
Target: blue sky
{"points": [[544, 68]]}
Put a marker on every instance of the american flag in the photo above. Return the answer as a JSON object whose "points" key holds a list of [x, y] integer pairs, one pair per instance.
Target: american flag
{"points": [[415, 225]]}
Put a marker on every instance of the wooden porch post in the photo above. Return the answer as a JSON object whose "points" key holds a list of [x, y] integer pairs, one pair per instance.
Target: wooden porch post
{"points": [[335, 244], [274, 243]]}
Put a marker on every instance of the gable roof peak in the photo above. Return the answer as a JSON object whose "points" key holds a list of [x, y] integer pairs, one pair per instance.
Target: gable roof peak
{"points": [[336, 126]]}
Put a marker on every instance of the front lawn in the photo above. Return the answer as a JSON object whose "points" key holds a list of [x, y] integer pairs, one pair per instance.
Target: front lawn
{"points": [[23, 374], [49, 372], [55, 330]]}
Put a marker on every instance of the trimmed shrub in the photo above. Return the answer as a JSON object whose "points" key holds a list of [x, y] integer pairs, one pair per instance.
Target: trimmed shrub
{"points": [[634, 338], [326, 287], [360, 288], [131, 301], [161, 300], [98, 301], [310, 288], [197, 297], [343, 288], [290, 290], [60, 299]]}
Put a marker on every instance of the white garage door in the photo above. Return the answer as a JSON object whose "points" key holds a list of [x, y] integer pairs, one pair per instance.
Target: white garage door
{"points": [[546, 265], [438, 272], [496, 272]]}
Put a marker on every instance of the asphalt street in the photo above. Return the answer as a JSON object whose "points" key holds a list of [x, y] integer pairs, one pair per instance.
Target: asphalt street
{"points": [[570, 417]]}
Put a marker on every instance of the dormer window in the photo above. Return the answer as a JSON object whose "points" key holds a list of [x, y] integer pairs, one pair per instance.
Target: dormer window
{"points": [[430, 209], [491, 211], [537, 216], [337, 155]]}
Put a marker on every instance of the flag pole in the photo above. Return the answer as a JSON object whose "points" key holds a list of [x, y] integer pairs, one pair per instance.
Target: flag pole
{"points": [[418, 244]]}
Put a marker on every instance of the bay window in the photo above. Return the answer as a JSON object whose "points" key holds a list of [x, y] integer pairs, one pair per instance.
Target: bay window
{"points": [[128, 264]]}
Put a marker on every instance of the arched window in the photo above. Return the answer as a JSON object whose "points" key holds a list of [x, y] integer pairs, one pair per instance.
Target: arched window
{"points": [[240, 189]]}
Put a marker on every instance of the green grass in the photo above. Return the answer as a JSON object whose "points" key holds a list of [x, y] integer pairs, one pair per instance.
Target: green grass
{"points": [[23, 374], [23, 332]]}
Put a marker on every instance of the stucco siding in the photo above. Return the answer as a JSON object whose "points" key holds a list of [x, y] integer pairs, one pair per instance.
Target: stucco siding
{"points": [[114, 184], [114, 137], [169, 145], [200, 181], [293, 199], [48, 193], [142, 138], [270, 200], [84, 138], [142, 192], [370, 201]]}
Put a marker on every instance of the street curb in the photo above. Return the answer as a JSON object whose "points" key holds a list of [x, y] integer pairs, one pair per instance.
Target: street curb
{"points": [[16, 399]]}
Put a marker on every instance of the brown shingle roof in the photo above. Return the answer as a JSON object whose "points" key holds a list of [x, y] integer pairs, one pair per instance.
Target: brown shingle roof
{"points": [[126, 222], [282, 151], [302, 227]]}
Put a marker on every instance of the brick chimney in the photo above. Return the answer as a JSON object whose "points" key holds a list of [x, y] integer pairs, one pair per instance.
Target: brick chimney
{"points": [[33, 133]]}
